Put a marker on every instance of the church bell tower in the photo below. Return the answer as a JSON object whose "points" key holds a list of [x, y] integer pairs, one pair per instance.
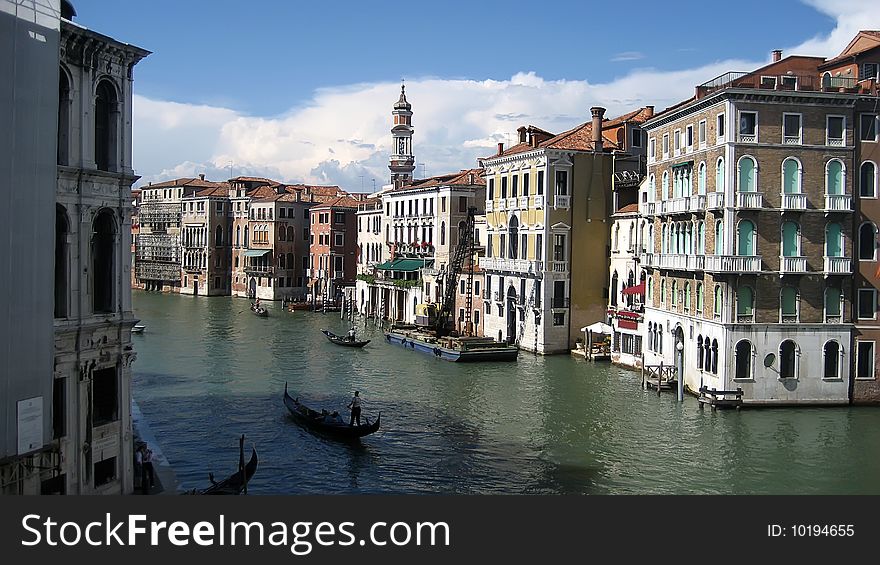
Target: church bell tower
{"points": [[402, 163]]}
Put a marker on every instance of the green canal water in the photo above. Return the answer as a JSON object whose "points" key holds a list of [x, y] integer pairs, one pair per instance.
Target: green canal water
{"points": [[208, 370]]}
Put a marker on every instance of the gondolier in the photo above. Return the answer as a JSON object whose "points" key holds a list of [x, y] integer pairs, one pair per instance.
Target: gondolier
{"points": [[355, 406]]}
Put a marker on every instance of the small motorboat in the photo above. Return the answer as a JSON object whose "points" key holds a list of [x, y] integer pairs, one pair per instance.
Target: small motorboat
{"points": [[344, 340], [259, 311], [330, 424], [236, 483], [138, 329]]}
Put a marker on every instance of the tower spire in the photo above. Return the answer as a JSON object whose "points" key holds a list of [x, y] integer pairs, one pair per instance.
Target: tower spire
{"points": [[402, 162]]}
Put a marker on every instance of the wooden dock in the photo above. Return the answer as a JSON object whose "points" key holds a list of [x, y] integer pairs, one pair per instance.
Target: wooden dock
{"points": [[659, 377], [721, 398]]}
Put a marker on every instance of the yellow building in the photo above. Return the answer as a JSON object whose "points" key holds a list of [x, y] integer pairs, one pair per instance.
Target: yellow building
{"points": [[548, 205]]}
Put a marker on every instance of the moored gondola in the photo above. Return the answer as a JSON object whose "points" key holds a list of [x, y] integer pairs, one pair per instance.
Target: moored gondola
{"points": [[330, 424], [237, 482], [344, 341]]}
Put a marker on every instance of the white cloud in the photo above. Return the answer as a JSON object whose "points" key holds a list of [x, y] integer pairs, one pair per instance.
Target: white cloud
{"points": [[342, 135], [628, 56]]}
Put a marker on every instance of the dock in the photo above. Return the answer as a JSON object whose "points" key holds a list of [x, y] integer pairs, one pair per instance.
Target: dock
{"points": [[721, 398], [659, 377]]}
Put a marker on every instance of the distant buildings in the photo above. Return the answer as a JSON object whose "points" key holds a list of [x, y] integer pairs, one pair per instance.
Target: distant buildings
{"points": [[333, 249]]}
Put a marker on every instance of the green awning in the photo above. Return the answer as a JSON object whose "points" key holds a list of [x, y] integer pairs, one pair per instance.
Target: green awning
{"points": [[685, 164], [407, 265], [256, 252]]}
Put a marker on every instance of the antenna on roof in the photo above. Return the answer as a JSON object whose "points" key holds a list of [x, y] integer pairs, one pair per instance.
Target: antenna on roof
{"points": [[424, 170], [362, 182]]}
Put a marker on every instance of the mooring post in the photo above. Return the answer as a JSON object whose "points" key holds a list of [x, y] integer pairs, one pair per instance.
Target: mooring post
{"points": [[659, 378]]}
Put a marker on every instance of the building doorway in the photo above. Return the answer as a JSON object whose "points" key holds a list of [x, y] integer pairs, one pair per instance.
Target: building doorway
{"points": [[511, 315]]}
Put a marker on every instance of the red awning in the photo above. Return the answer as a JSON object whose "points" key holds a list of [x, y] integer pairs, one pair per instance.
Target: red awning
{"points": [[638, 289]]}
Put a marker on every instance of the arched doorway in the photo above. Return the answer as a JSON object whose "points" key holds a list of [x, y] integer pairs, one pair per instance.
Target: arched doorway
{"points": [[252, 288], [511, 315]]}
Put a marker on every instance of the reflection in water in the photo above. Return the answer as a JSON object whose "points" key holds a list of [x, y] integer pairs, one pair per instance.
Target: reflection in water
{"points": [[209, 370]]}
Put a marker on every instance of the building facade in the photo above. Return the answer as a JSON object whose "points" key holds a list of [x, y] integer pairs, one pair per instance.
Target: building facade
{"points": [[206, 243], [333, 250], [749, 261]]}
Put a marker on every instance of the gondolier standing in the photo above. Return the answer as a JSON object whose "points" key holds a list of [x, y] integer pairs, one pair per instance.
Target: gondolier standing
{"points": [[355, 406]]}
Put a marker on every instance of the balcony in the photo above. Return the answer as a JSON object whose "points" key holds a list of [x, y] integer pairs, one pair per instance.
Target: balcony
{"points": [[696, 262], [789, 318], [698, 203], [837, 265], [557, 266], [835, 142], [559, 302], [752, 200], [490, 206], [677, 206], [338, 274], [258, 270], [792, 264], [511, 203], [673, 261], [523, 202], [501, 205], [748, 138], [647, 208], [510, 265], [733, 263], [794, 202], [539, 201], [562, 201], [745, 318], [714, 200], [791, 140], [650, 259], [833, 319], [838, 203]]}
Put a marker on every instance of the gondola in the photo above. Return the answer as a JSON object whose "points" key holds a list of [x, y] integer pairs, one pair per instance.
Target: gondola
{"points": [[326, 423], [344, 341], [260, 311], [138, 329], [234, 483]]}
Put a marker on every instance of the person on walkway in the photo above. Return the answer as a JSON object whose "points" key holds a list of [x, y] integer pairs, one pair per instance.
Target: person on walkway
{"points": [[355, 406], [148, 478], [138, 465]]}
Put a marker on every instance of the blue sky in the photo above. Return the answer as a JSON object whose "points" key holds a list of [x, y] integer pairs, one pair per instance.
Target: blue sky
{"points": [[302, 90]]}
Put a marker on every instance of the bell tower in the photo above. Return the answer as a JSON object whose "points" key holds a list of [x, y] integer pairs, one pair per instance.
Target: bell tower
{"points": [[402, 163]]}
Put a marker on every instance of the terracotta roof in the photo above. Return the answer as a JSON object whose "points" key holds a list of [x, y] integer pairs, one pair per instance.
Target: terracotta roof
{"points": [[634, 207], [461, 178], [186, 181], [269, 182], [873, 37], [221, 190], [341, 202]]}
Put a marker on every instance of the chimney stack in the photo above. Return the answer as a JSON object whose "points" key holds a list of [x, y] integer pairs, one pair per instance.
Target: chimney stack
{"points": [[201, 176], [598, 114], [522, 133], [500, 148], [777, 55], [649, 110]]}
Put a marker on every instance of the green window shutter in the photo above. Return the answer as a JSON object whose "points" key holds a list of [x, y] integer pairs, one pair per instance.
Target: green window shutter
{"points": [[833, 248], [789, 239], [744, 301], [789, 301], [790, 177], [746, 240], [835, 178], [832, 301], [747, 175]]}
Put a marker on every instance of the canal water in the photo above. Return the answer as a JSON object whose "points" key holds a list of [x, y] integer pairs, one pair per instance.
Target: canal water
{"points": [[209, 370]]}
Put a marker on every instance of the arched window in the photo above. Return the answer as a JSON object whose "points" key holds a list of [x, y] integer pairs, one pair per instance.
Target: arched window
{"points": [[834, 177], [745, 304], [701, 237], [868, 180], [290, 262], [832, 304], [791, 176], [826, 80], [282, 233], [106, 112], [674, 293], [743, 360], [747, 180], [788, 362], [218, 237], [62, 231], [788, 299], [700, 298], [867, 242], [245, 236], [719, 237], [650, 290], [715, 356], [719, 175], [664, 248], [665, 185], [687, 296], [701, 179], [790, 239], [652, 188], [831, 355], [700, 352], [290, 233], [442, 233], [281, 263], [238, 236], [512, 237], [63, 117], [745, 235], [719, 300], [103, 262], [707, 355], [833, 240], [662, 293]]}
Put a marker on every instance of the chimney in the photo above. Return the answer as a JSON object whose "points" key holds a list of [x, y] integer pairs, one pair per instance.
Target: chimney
{"points": [[201, 176], [649, 111], [522, 133], [500, 148], [470, 178], [598, 114], [776, 55]]}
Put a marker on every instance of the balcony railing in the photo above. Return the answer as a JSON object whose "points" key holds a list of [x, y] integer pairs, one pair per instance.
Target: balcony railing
{"points": [[490, 206], [559, 302], [733, 263], [789, 318], [511, 265], [696, 262], [791, 140], [539, 201], [748, 138], [676, 205], [794, 201], [835, 142], [511, 203], [793, 264], [647, 208], [749, 199], [562, 201], [837, 265], [650, 259], [698, 202], [259, 269], [838, 203], [557, 266], [745, 318], [523, 202], [715, 200], [833, 319], [501, 205], [673, 261]]}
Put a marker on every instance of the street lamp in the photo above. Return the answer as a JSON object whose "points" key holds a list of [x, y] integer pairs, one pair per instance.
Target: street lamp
{"points": [[679, 362]]}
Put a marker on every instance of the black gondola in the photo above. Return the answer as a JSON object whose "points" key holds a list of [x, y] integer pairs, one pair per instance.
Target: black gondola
{"points": [[326, 423], [259, 311], [344, 341], [234, 483]]}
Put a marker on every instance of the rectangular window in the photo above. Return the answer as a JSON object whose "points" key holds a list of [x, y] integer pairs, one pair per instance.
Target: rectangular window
{"points": [[477, 288], [539, 247], [462, 204], [865, 360], [476, 317], [537, 292], [719, 127], [701, 133], [337, 239], [559, 319], [562, 183], [524, 247], [676, 141], [281, 211], [559, 247], [665, 145], [501, 241], [652, 148], [522, 291], [503, 187], [689, 136], [788, 82], [836, 128], [514, 186], [491, 189], [105, 471], [768, 82], [525, 184], [791, 129], [59, 408], [869, 71], [443, 204], [337, 264], [748, 127], [867, 304], [105, 396], [636, 137], [868, 127], [540, 187]]}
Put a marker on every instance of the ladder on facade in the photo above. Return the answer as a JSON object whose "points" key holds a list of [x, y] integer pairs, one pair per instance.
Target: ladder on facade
{"points": [[464, 249]]}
